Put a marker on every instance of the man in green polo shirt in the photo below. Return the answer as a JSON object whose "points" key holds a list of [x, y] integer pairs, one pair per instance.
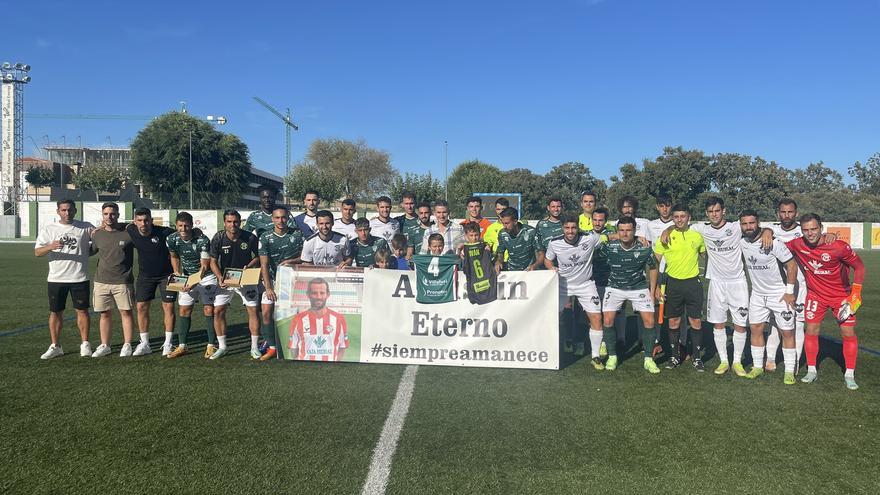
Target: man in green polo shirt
{"points": [[281, 246], [517, 243], [684, 290]]}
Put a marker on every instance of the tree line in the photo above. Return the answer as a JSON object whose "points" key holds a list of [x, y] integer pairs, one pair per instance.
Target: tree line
{"points": [[340, 168]]}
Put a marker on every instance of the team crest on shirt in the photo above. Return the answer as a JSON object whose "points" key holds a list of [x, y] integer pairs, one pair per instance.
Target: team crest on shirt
{"points": [[69, 241], [244, 246], [728, 232], [743, 311], [826, 257], [753, 261], [154, 240]]}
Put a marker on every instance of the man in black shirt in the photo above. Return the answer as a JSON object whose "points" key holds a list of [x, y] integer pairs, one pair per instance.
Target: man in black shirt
{"points": [[154, 265], [233, 247]]}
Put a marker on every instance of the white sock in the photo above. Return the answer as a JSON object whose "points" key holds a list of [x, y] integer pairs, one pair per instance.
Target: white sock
{"points": [[720, 335], [850, 373], [811, 369], [799, 339], [255, 339], [145, 337], [772, 344], [757, 357], [221, 341], [790, 357], [168, 337], [595, 341], [739, 345]]}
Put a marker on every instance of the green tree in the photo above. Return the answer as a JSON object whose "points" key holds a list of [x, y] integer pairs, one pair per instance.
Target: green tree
{"points": [[569, 180], [363, 172], [100, 177], [867, 176], [632, 182], [816, 177], [305, 177], [471, 177], [533, 189], [424, 186], [160, 161], [40, 176], [747, 183], [843, 205]]}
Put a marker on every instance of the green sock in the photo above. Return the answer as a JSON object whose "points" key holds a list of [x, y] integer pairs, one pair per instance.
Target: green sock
{"points": [[183, 324], [649, 336], [212, 335], [610, 337], [268, 331]]}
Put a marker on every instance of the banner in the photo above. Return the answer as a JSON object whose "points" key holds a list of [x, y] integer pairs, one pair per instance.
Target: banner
{"points": [[875, 236], [206, 220], [7, 145], [519, 330], [372, 317]]}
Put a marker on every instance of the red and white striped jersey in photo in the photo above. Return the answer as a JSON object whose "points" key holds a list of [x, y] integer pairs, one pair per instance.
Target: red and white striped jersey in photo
{"points": [[318, 338]]}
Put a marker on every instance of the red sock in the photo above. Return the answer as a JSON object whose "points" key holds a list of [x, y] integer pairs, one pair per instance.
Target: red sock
{"points": [[850, 351], [811, 349]]}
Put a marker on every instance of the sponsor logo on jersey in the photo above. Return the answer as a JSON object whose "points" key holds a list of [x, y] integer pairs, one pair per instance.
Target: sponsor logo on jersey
{"points": [[68, 241], [753, 260]]}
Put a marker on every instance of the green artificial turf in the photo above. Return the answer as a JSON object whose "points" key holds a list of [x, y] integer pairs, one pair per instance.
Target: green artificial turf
{"points": [[150, 425]]}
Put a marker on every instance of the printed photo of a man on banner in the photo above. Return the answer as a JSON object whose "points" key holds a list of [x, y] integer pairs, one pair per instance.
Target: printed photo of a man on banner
{"points": [[318, 313]]}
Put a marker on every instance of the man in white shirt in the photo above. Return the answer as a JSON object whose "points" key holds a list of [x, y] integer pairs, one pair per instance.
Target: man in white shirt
{"points": [[66, 242], [453, 233], [345, 225], [573, 253], [325, 247], [383, 225]]}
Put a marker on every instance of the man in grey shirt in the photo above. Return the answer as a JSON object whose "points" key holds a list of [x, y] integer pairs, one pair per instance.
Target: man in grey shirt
{"points": [[113, 279]]}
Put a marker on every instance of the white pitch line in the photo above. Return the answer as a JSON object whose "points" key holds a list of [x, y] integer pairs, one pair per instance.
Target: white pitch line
{"points": [[380, 464]]}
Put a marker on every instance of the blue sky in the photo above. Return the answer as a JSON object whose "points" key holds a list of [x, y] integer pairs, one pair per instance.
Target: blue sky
{"points": [[516, 84]]}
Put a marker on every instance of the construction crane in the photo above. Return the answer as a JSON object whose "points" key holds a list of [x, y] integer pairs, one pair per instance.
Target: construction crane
{"points": [[288, 124]]}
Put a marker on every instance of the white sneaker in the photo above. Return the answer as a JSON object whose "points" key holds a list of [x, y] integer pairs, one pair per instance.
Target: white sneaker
{"points": [[101, 351], [167, 349], [142, 349], [219, 353], [126, 351], [255, 353], [85, 349], [54, 351]]}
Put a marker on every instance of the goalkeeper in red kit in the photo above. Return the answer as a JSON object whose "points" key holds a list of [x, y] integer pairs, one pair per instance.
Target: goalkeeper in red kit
{"points": [[826, 267]]}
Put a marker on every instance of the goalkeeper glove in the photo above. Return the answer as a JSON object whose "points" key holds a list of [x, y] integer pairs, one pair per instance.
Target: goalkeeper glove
{"points": [[855, 298]]}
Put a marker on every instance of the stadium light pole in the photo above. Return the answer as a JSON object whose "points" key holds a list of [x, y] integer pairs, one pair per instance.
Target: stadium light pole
{"points": [[219, 120]]}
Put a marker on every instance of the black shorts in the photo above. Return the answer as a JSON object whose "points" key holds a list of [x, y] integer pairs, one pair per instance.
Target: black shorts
{"points": [[79, 293], [684, 296], [145, 289]]}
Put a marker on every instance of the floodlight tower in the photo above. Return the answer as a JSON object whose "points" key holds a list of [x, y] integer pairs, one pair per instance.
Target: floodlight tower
{"points": [[13, 78], [288, 124]]}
